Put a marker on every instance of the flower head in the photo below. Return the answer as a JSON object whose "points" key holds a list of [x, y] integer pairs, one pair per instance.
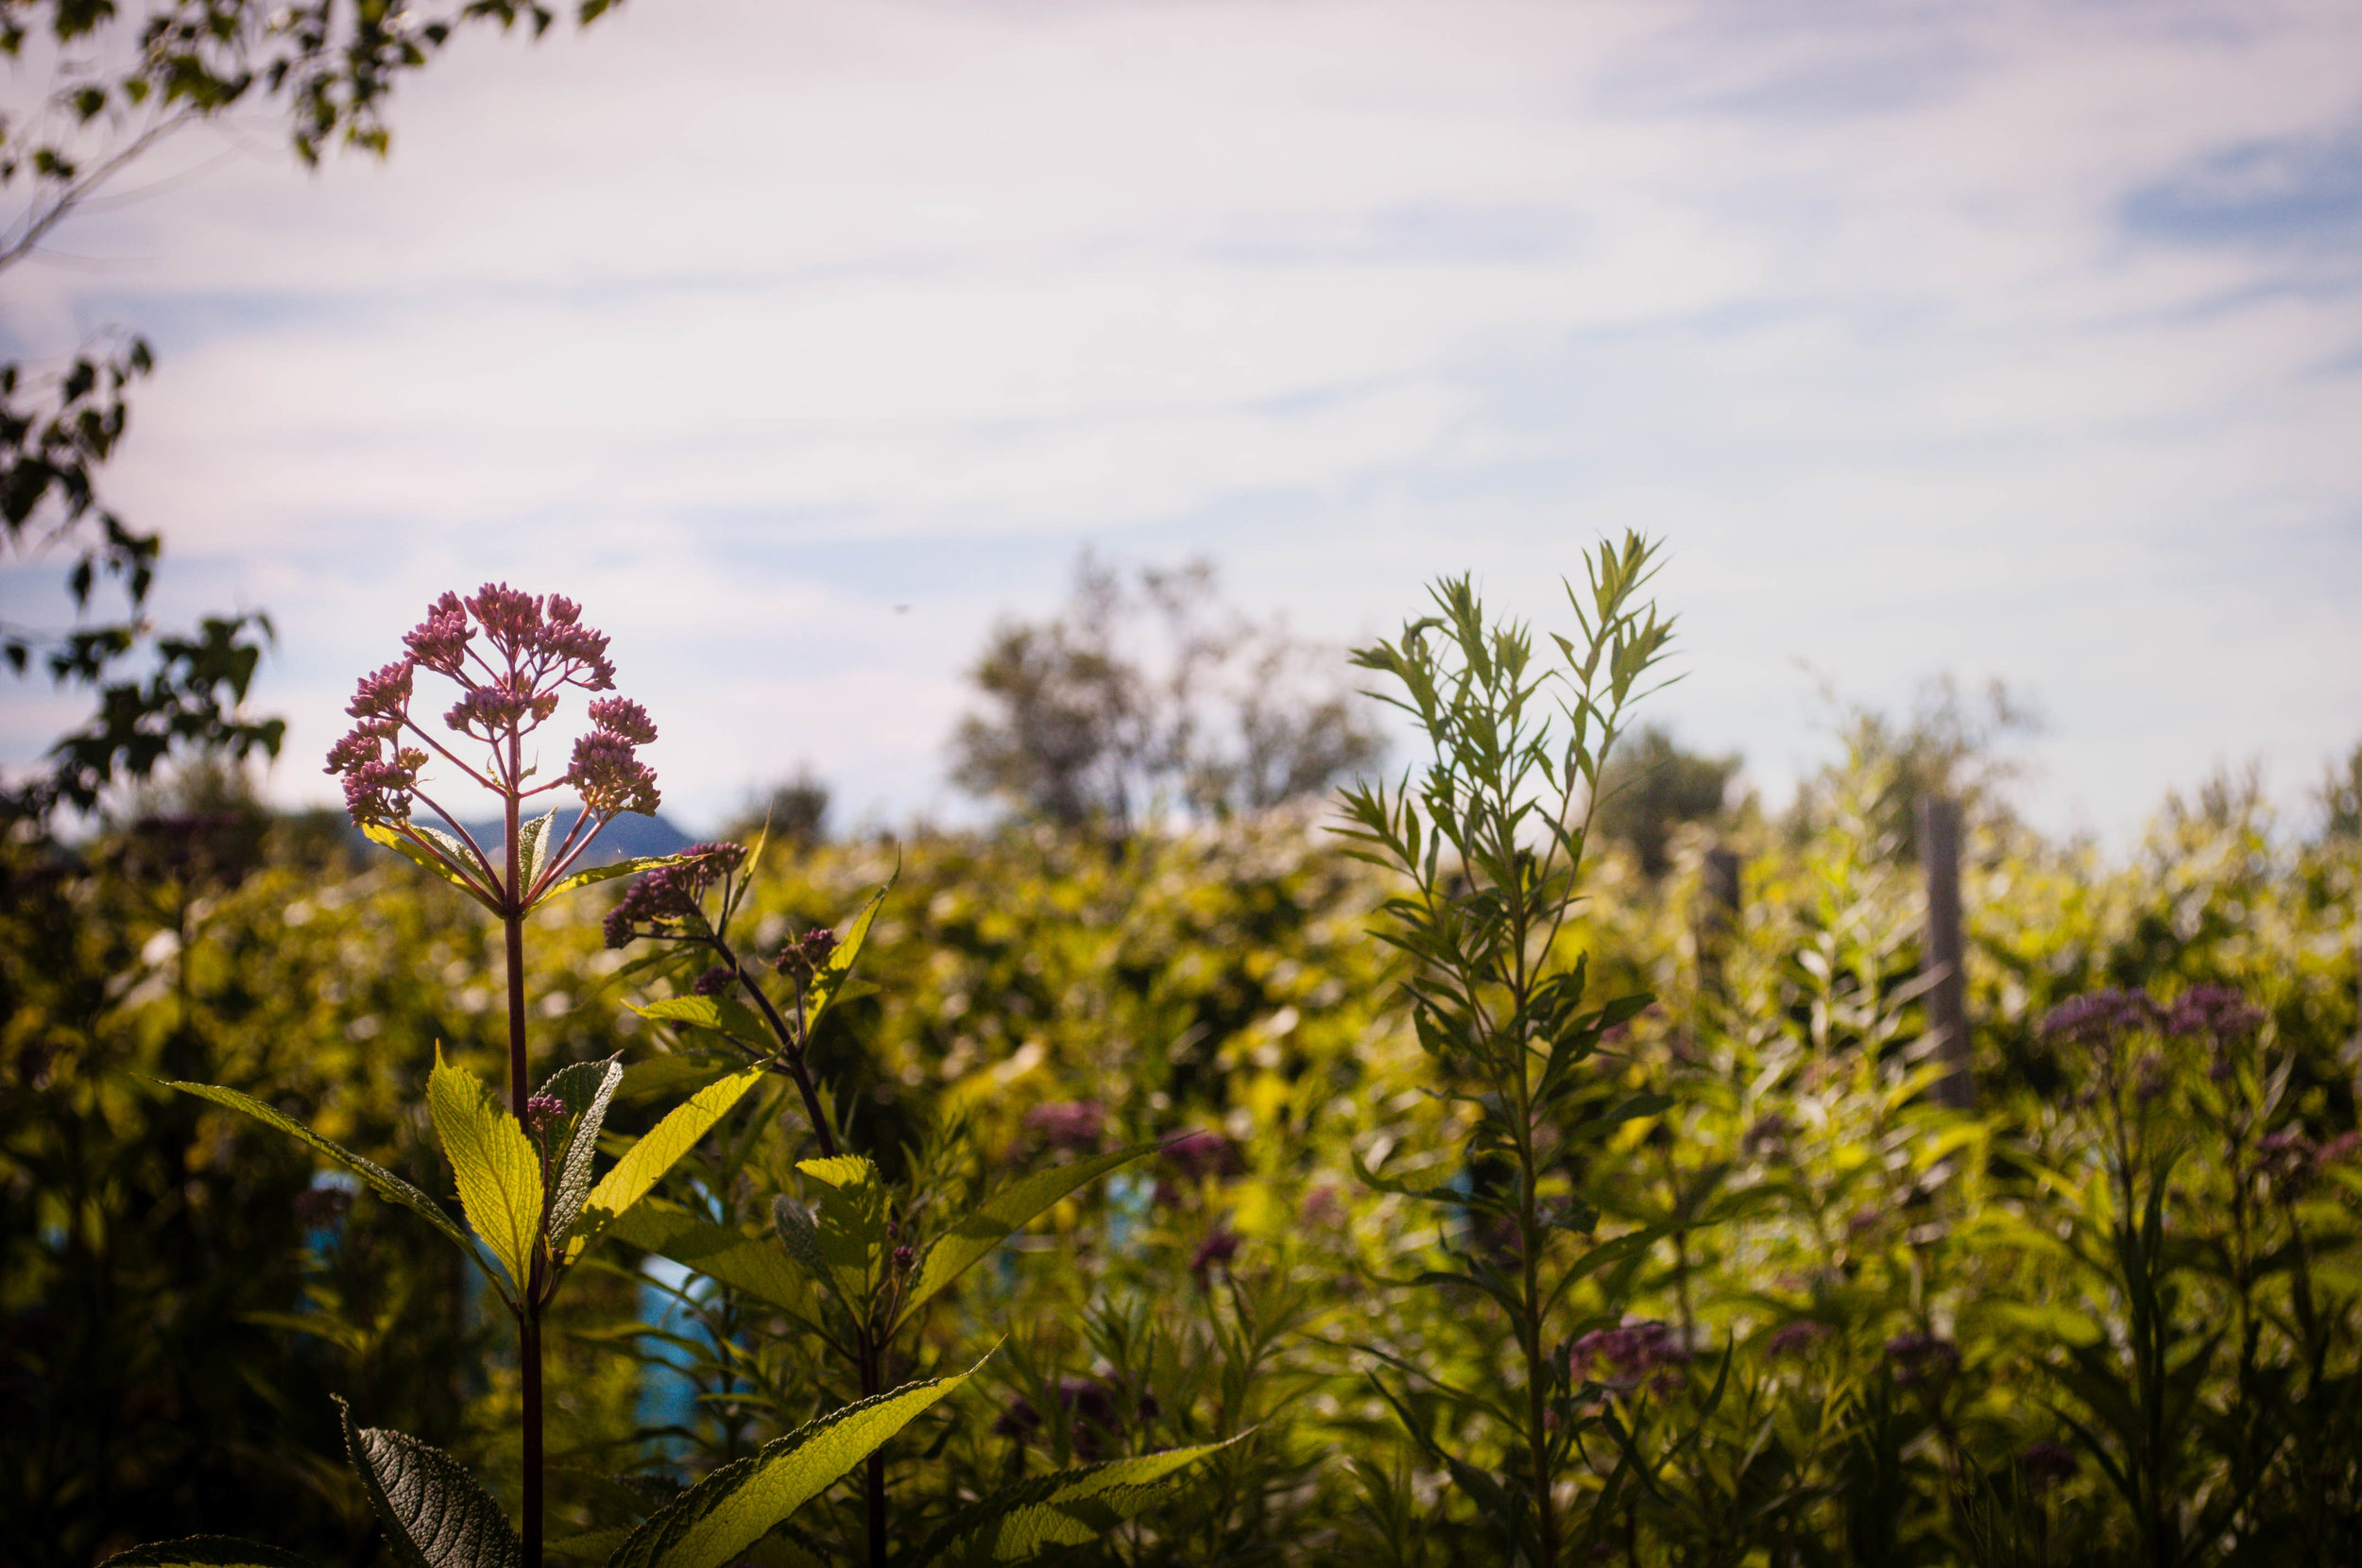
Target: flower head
{"points": [[807, 955], [2048, 1463], [2103, 1018], [1922, 1358], [2215, 1010], [1797, 1338], [658, 903], [1628, 1355], [1077, 1124], [543, 1110], [1203, 1153]]}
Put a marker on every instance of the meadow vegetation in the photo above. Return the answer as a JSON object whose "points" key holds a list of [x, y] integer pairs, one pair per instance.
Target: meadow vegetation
{"points": [[1497, 1193]]}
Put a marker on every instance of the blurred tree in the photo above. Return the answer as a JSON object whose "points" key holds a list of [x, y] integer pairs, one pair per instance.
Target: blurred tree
{"points": [[795, 813], [1950, 745], [1138, 699], [1651, 786], [118, 88], [2341, 798]]}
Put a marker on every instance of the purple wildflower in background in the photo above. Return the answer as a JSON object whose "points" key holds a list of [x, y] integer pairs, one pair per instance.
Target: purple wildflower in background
{"points": [[1203, 1154], [1220, 1245], [1922, 1358], [1629, 1355], [2048, 1463], [2215, 1010], [2103, 1018], [1078, 1125], [1797, 1338], [714, 981], [2337, 1151], [1094, 1409]]}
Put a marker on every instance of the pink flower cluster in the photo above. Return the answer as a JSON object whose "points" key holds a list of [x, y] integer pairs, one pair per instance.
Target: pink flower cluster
{"points": [[1628, 1355], [533, 647]]}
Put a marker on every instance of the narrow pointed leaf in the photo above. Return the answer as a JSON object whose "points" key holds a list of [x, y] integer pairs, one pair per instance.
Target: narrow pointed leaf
{"points": [[737, 1260], [644, 1163], [381, 1180], [378, 833], [434, 1514], [206, 1551], [498, 1169], [738, 1504], [999, 1217], [724, 1014], [828, 985], [621, 868], [588, 1088], [1066, 1508]]}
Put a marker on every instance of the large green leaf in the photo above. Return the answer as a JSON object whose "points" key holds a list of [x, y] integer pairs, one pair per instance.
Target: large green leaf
{"points": [[434, 1514], [829, 983], [381, 1180], [588, 1088], [1000, 1217], [849, 1228], [621, 868], [498, 1168], [644, 1163], [451, 854], [206, 1551], [729, 1511], [1065, 1509], [741, 1261]]}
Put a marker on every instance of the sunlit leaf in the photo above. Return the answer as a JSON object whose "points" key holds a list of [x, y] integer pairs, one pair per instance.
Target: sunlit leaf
{"points": [[644, 1163], [737, 1260], [499, 1170], [730, 1510], [444, 864], [621, 868], [588, 1088], [1000, 1217], [1066, 1508]]}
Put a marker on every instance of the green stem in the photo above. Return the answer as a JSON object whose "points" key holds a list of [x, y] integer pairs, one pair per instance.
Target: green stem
{"points": [[519, 1089]]}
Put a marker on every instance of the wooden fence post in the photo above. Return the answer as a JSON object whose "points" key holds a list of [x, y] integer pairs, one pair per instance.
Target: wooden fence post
{"points": [[1947, 997]]}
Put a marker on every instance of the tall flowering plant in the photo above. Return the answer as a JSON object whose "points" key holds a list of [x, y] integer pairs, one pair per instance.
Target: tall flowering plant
{"points": [[526, 1171]]}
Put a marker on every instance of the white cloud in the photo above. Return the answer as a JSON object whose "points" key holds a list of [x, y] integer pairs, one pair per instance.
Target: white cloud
{"points": [[745, 323]]}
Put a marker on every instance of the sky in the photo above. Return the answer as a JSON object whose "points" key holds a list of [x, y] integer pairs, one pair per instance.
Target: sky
{"points": [[802, 340]]}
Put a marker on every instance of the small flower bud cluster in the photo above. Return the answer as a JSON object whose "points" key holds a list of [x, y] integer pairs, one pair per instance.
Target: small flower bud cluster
{"points": [[544, 1112], [715, 980], [1077, 1125], [1628, 1355], [807, 955], [1796, 1338], [659, 901]]}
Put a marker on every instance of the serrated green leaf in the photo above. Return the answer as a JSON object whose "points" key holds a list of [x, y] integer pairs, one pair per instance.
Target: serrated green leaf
{"points": [[434, 1514], [999, 1217], [498, 1169], [534, 841], [738, 1504], [1066, 1508], [588, 1088], [797, 1233], [206, 1551], [621, 868], [381, 1180], [849, 1223], [828, 987], [644, 1163], [737, 1260], [444, 864], [672, 1075]]}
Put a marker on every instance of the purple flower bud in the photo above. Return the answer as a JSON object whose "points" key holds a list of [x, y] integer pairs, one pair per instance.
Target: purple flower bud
{"points": [[1203, 1154], [1220, 1245], [658, 901], [1922, 1358], [2337, 1151], [1624, 1357], [1797, 1338], [715, 980], [624, 717], [440, 641], [544, 1110], [1078, 1124], [2103, 1018], [807, 955], [2048, 1463]]}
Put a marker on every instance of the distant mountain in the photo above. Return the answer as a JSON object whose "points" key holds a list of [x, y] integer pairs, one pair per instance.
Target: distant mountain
{"points": [[625, 837]]}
